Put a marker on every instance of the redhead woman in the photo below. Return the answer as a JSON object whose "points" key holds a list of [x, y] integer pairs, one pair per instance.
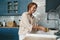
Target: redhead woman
{"points": [[27, 23]]}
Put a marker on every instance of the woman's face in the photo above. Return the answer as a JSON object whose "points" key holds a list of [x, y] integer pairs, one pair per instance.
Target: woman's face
{"points": [[33, 9]]}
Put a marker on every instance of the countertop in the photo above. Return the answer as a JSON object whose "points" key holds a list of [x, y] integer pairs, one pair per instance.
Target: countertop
{"points": [[40, 35], [49, 34]]}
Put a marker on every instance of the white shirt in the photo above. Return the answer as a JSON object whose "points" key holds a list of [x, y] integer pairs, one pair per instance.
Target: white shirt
{"points": [[25, 25]]}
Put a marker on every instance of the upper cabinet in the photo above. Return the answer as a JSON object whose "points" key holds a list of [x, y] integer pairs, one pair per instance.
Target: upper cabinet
{"points": [[13, 7], [51, 5], [3, 7], [23, 5]]}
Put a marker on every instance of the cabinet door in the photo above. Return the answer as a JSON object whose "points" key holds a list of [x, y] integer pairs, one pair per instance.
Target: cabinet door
{"points": [[13, 7], [22, 6], [3, 7], [9, 34], [19, 6]]}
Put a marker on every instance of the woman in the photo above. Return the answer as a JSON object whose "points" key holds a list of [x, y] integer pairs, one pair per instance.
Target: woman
{"points": [[27, 22]]}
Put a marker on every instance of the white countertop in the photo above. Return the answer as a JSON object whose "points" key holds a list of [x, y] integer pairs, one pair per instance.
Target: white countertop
{"points": [[49, 34]]}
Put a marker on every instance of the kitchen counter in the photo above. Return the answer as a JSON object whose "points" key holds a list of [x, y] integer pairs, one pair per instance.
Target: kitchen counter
{"points": [[40, 35], [9, 27], [12, 34]]}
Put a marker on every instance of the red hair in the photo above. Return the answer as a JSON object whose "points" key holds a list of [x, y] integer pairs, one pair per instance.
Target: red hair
{"points": [[30, 5]]}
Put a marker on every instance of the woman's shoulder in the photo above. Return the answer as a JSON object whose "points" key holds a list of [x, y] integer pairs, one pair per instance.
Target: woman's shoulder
{"points": [[24, 13]]}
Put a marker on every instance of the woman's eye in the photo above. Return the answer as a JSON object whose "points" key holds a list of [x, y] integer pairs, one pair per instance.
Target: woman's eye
{"points": [[34, 8]]}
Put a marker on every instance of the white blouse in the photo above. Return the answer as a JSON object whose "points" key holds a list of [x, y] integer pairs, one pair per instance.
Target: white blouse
{"points": [[25, 25]]}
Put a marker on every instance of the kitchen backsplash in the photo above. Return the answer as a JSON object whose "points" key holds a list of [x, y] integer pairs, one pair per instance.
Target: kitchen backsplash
{"points": [[51, 21], [10, 18]]}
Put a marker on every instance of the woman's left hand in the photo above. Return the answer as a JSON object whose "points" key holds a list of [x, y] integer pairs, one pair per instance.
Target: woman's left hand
{"points": [[42, 28]]}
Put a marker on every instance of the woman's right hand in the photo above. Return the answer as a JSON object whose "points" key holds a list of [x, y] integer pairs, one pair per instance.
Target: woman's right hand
{"points": [[35, 27]]}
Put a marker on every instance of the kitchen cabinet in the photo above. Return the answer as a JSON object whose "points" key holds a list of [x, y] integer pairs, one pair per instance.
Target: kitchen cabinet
{"points": [[9, 34], [51, 5], [13, 7], [23, 5], [3, 7]]}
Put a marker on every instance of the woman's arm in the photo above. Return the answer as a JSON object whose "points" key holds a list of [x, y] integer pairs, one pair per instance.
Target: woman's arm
{"points": [[39, 28]]}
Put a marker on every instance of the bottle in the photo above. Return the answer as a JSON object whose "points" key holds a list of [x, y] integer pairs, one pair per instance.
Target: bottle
{"points": [[4, 23]]}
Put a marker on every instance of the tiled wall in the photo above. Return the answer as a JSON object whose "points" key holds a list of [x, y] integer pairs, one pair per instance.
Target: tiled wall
{"points": [[10, 18], [43, 20], [50, 21]]}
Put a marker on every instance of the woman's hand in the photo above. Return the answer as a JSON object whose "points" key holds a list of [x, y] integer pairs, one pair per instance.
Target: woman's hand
{"points": [[35, 27], [43, 28]]}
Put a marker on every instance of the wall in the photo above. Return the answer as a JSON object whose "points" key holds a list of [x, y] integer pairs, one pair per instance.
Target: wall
{"points": [[10, 18], [45, 18]]}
